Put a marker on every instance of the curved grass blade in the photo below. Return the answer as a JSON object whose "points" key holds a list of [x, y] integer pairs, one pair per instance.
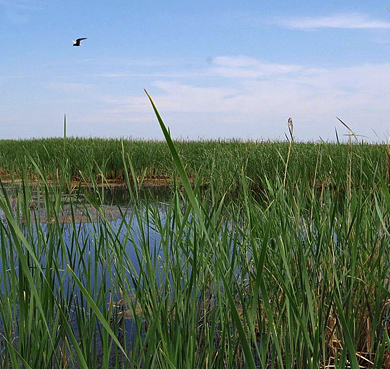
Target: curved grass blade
{"points": [[97, 311], [19, 241], [198, 210], [178, 164]]}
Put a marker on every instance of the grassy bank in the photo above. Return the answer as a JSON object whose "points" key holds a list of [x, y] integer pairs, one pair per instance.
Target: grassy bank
{"points": [[224, 161]]}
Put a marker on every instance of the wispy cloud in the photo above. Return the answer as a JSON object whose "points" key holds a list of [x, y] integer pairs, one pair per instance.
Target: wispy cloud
{"points": [[20, 11], [70, 87], [247, 67], [153, 75], [261, 106], [346, 21], [22, 4], [232, 96]]}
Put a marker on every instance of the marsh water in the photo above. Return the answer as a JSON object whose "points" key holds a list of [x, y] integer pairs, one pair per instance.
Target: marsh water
{"points": [[97, 232], [80, 216]]}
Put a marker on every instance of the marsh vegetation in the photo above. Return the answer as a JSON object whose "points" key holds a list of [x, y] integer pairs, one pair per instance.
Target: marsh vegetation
{"points": [[262, 255]]}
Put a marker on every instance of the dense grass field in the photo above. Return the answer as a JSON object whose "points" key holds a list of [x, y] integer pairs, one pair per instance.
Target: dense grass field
{"points": [[224, 162], [264, 255]]}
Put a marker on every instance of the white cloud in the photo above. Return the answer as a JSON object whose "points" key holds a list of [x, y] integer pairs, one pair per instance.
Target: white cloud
{"points": [[246, 67], [125, 105], [178, 96], [240, 96], [260, 107], [352, 20]]}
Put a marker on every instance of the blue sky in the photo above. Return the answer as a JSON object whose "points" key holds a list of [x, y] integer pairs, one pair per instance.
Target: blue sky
{"points": [[215, 69]]}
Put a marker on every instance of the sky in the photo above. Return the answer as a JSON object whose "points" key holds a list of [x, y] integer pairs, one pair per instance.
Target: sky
{"points": [[215, 69]]}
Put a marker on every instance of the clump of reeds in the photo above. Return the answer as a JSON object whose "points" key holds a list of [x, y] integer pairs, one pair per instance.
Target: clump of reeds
{"points": [[297, 277], [222, 161]]}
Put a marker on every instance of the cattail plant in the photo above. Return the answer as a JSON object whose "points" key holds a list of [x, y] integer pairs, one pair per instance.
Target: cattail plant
{"points": [[291, 128], [64, 125]]}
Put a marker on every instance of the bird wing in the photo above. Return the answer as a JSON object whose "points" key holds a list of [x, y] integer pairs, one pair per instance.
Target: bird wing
{"points": [[79, 39]]}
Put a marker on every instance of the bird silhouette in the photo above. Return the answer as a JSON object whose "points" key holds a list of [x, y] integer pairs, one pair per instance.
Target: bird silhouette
{"points": [[77, 42]]}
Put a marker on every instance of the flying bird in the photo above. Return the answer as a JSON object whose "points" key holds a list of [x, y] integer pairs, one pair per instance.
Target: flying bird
{"points": [[77, 42]]}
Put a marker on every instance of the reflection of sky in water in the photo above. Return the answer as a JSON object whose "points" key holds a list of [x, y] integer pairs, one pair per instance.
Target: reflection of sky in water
{"points": [[91, 239], [100, 248], [99, 241], [103, 244], [100, 244]]}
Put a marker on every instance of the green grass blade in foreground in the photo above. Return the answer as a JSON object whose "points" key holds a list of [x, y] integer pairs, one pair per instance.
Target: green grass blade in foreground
{"points": [[198, 210], [19, 241], [202, 215], [239, 326], [97, 311], [178, 164]]}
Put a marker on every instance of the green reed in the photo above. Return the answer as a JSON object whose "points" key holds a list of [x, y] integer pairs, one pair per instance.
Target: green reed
{"points": [[284, 265], [221, 160]]}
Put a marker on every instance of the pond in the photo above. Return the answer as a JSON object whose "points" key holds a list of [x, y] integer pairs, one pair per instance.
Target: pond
{"points": [[95, 238], [108, 278]]}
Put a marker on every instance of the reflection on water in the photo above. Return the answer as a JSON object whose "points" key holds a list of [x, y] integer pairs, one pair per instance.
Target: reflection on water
{"points": [[81, 215], [96, 233], [87, 204]]}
